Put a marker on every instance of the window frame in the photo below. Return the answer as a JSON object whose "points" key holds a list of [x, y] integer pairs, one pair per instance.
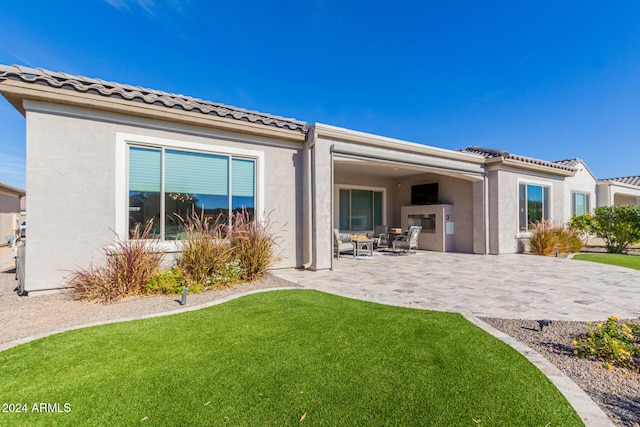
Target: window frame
{"points": [[126, 140], [548, 206], [338, 188], [574, 203]]}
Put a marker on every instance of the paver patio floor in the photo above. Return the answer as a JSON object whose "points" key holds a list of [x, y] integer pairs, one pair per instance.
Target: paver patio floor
{"points": [[516, 286]]}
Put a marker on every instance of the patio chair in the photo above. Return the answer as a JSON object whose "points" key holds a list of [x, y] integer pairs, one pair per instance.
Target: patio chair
{"points": [[408, 241], [381, 236], [340, 245]]}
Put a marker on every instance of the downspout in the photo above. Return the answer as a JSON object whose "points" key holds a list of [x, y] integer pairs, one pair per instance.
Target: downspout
{"points": [[309, 143]]}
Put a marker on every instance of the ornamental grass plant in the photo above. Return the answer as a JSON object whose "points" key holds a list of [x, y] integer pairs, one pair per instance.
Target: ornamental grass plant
{"points": [[128, 266], [213, 254], [253, 245], [550, 237], [205, 251]]}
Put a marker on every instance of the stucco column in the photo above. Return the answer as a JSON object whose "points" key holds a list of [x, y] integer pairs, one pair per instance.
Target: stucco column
{"points": [[479, 223], [321, 201]]}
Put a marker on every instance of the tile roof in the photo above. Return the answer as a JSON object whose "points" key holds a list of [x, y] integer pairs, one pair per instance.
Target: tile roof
{"points": [[570, 162], [630, 180], [148, 96], [490, 153], [12, 189]]}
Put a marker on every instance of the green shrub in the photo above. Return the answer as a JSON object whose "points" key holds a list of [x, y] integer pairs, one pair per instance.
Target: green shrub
{"points": [[569, 240], [613, 341], [229, 274], [129, 265], [253, 245], [549, 237], [165, 282], [619, 226]]}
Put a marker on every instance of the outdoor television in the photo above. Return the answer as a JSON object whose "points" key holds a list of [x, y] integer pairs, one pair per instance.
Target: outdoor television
{"points": [[424, 194]]}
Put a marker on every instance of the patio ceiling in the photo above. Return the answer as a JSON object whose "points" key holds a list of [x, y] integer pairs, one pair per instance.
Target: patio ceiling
{"points": [[388, 169]]}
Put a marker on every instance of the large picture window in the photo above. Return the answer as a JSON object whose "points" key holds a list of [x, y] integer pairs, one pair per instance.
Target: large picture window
{"points": [[533, 205], [360, 209], [167, 185], [579, 204]]}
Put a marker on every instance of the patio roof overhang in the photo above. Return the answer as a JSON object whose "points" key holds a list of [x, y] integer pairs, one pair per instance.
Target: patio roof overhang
{"points": [[395, 158], [398, 165]]}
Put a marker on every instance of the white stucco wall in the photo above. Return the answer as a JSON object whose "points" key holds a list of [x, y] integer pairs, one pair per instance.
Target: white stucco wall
{"points": [[321, 209], [625, 199], [454, 191], [582, 182], [9, 203], [9, 215], [503, 209], [612, 194], [71, 176]]}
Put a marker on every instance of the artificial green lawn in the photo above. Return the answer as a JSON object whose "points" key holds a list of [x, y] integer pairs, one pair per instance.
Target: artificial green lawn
{"points": [[629, 261], [270, 358]]}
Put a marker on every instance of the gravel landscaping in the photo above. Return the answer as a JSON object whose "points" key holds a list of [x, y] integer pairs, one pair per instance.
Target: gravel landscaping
{"points": [[22, 317], [616, 391]]}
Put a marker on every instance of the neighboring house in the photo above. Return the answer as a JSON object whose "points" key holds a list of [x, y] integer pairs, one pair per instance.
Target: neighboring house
{"points": [[619, 191], [10, 200], [104, 157]]}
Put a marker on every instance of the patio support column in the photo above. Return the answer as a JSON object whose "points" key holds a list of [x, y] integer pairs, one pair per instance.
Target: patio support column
{"points": [[318, 202], [479, 217]]}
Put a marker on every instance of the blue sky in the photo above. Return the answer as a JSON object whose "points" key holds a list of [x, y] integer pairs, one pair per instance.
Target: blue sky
{"points": [[551, 80]]}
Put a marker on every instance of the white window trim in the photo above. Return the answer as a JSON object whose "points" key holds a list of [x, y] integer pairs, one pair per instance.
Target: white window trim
{"points": [[336, 200], [586, 193], [520, 181], [123, 140]]}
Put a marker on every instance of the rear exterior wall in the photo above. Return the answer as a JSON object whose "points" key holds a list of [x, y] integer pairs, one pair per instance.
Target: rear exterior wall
{"points": [[72, 180]]}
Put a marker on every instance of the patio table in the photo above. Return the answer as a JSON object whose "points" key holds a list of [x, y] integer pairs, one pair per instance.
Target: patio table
{"points": [[362, 247]]}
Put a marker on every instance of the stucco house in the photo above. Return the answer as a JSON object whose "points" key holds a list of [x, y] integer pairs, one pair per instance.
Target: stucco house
{"points": [[619, 191], [11, 198], [104, 156]]}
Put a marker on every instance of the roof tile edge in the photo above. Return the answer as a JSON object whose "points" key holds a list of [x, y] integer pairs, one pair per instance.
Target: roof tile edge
{"points": [[148, 96]]}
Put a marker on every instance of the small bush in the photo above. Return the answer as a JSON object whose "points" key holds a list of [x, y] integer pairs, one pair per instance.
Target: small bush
{"points": [[619, 226], [165, 282], [230, 274], [549, 237], [569, 240], [253, 245], [129, 265], [614, 342]]}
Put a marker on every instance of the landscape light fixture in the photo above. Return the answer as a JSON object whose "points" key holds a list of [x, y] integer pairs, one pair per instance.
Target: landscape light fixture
{"points": [[183, 300], [544, 322]]}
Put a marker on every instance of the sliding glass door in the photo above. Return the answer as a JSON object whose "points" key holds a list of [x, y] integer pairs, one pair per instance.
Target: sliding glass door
{"points": [[360, 209]]}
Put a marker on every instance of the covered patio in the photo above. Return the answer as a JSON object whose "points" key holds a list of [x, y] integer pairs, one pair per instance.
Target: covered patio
{"points": [[356, 181], [369, 192]]}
